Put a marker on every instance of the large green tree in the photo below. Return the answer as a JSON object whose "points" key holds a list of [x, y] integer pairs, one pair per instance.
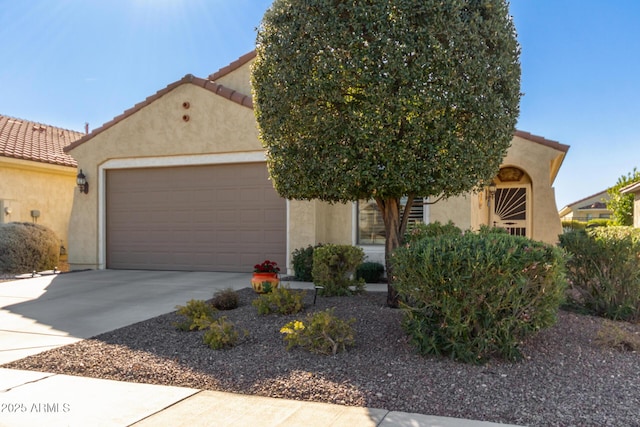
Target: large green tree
{"points": [[360, 99], [621, 205]]}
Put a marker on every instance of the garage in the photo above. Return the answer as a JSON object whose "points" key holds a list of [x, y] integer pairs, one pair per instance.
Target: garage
{"points": [[222, 217]]}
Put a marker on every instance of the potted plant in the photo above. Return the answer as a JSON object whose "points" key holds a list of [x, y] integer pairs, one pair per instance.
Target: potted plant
{"points": [[265, 276]]}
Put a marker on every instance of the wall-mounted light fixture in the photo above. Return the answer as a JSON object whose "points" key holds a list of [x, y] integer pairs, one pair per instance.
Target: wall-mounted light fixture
{"points": [[83, 185], [491, 192], [7, 210]]}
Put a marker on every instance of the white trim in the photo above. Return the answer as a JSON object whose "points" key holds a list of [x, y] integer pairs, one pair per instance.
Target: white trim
{"points": [[354, 223], [288, 240], [151, 162], [205, 159]]}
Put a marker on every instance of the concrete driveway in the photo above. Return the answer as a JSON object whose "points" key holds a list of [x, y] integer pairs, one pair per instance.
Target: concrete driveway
{"points": [[45, 312]]}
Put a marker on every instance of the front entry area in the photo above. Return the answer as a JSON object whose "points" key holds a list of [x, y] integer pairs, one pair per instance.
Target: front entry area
{"points": [[511, 208], [193, 218]]}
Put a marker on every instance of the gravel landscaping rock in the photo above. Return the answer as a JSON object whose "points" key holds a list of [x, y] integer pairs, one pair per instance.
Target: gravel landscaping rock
{"points": [[566, 379]]}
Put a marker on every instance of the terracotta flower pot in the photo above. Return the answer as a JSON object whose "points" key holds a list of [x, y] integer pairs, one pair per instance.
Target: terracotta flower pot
{"points": [[264, 282]]}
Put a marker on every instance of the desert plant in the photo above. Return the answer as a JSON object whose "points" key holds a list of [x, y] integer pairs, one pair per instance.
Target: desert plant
{"points": [[302, 259], [370, 272], [225, 299], [604, 271], [281, 300], [197, 314], [221, 334], [27, 247], [321, 333], [473, 296], [611, 335], [420, 230], [334, 267]]}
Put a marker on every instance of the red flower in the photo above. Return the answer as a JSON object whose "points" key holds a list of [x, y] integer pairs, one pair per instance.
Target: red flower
{"points": [[266, 267]]}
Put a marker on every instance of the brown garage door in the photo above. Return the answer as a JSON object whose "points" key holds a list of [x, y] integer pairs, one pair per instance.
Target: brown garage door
{"points": [[194, 218]]}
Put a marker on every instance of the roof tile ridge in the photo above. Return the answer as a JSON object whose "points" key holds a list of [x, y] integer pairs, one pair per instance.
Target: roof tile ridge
{"points": [[188, 78], [233, 66], [541, 140], [226, 92]]}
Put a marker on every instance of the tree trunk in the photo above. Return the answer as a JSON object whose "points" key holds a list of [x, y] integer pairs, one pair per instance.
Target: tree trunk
{"points": [[394, 227]]}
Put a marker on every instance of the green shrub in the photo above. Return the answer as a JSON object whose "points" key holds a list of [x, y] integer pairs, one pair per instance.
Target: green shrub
{"points": [[419, 231], [321, 333], [302, 259], [568, 226], [370, 272], [604, 271], [473, 296], [281, 300], [333, 269], [599, 222], [27, 247], [485, 230], [198, 315], [221, 334], [225, 299]]}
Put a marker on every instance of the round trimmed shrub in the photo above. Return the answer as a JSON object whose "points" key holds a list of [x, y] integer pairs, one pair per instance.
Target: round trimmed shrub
{"points": [[334, 268], [25, 247], [473, 296], [370, 272]]}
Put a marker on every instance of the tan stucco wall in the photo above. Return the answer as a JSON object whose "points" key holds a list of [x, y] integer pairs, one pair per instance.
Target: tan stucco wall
{"points": [[239, 79], [636, 210], [332, 226], [215, 125], [27, 186], [312, 222], [302, 220], [456, 209]]}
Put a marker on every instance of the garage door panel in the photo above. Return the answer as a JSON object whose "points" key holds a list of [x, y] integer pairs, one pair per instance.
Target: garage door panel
{"points": [[200, 218]]}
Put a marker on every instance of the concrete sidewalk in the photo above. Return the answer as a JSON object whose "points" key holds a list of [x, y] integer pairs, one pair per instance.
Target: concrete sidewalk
{"points": [[46, 312], [36, 398]]}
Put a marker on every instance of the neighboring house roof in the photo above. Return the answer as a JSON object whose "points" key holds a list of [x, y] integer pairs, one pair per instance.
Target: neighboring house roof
{"points": [[631, 188], [26, 140], [595, 205]]}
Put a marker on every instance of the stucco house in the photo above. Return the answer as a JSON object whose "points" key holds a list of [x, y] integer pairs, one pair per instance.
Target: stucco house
{"points": [[587, 208], [37, 178], [179, 182], [635, 190]]}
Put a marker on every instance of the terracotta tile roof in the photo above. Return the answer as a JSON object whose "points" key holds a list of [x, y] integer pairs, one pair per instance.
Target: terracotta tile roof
{"points": [[542, 140], [26, 140], [233, 66], [223, 91]]}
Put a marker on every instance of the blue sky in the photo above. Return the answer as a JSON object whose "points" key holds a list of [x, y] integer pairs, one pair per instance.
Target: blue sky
{"points": [[67, 62]]}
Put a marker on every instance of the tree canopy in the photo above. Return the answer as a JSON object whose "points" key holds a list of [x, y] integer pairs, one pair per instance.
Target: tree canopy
{"points": [[621, 205], [360, 99]]}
